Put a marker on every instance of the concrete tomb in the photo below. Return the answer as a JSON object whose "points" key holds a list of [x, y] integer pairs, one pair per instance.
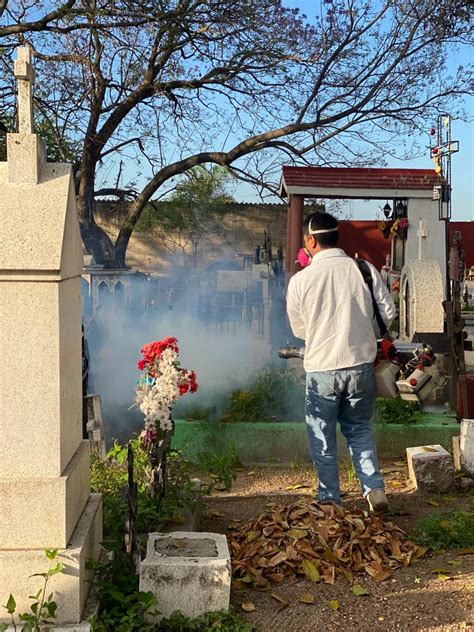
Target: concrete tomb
{"points": [[189, 572], [45, 499]]}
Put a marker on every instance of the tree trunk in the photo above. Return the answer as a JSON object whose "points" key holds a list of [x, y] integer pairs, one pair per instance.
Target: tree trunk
{"points": [[96, 240]]}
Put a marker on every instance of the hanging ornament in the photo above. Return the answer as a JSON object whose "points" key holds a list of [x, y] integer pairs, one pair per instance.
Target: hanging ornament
{"points": [[432, 131], [387, 209]]}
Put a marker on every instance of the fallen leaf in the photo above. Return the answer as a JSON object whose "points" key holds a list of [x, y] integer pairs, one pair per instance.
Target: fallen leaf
{"points": [[440, 571], [383, 575], [334, 604], [433, 503], [238, 584], [311, 571], [420, 551], [277, 559], [247, 579], [250, 473], [454, 562], [306, 598], [380, 618], [297, 533], [428, 449], [251, 535], [443, 577], [217, 514], [359, 590], [234, 525], [248, 606], [279, 597]]}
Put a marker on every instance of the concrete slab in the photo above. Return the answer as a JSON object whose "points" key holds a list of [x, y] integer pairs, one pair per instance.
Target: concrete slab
{"points": [[466, 445], [187, 572]]}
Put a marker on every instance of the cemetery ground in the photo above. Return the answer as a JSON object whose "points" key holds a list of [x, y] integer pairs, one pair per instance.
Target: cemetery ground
{"points": [[435, 592]]}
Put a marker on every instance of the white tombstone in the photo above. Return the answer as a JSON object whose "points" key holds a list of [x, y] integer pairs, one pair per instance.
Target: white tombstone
{"points": [[421, 299], [426, 235], [45, 499]]}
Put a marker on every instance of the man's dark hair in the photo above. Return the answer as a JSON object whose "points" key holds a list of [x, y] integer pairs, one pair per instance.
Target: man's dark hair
{"points": [[322, 221]]}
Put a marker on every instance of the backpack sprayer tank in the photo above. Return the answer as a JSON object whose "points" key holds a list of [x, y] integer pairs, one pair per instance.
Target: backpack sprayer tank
{"points": [[399, 367]]}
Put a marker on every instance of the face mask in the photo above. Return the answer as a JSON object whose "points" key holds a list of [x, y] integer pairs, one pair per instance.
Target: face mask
{"points": [[304, 257]]}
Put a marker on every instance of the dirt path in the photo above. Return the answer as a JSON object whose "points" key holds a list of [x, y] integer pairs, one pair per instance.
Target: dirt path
{"points": [[435, 593]]}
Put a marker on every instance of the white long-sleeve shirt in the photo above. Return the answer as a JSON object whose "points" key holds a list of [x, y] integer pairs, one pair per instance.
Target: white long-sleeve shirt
{"points": [[329, 306]]}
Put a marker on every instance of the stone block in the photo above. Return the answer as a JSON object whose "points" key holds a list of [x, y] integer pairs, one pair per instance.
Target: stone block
{"points": [[189, 572], [70, 587], [43, 512], [41, 403], [467, 446], [430, 468]]}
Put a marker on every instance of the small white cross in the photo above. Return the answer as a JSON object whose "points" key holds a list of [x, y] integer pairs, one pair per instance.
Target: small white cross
{"points": [[25, 74], [422, 234]]}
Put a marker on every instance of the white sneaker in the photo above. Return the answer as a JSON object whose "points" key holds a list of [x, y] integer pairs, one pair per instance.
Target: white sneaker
{"points": [[377, 500]]}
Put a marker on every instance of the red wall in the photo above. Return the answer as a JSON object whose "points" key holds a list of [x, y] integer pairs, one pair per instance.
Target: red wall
{"points": [[367, 240], [467, 239]]}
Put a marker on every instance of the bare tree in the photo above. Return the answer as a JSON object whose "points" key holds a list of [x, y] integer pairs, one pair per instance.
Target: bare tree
{"points": [[243, 84]]}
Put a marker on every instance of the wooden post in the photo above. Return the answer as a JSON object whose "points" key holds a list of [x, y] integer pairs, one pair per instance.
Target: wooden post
{"points": [[294, 234]]}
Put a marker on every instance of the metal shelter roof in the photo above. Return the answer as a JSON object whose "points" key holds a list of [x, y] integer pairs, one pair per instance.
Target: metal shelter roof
{"points": [[341, 182]]}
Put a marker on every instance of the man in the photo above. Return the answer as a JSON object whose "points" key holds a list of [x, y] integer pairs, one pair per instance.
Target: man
{"points": [[329, 306]]}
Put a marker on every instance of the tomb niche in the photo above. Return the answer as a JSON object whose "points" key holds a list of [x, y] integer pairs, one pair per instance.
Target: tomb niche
{"points": [[421, 299]]}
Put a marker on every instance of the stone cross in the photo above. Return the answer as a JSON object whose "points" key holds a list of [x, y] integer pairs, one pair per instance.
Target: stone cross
{"points": [[25, 73], [422, 234]]}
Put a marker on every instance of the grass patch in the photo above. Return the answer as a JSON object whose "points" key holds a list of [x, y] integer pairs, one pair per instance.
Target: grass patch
{"points": [[446, 531]]}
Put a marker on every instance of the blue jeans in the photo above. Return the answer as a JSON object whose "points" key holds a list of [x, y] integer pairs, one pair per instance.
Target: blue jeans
{"points": [[347, 395]]}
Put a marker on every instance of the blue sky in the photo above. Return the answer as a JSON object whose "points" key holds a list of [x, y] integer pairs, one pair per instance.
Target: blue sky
{"points": [[462, 162]]}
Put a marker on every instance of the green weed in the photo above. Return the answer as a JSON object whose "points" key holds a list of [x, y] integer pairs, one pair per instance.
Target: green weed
{"points": [[209, 622], [446, 531]]}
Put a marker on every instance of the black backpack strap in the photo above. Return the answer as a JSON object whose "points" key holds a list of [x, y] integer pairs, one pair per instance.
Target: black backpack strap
{"points": [[367, 276]]}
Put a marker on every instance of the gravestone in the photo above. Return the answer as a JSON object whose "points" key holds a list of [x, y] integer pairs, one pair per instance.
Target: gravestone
{"points": [[421, 299], [45, 499]]}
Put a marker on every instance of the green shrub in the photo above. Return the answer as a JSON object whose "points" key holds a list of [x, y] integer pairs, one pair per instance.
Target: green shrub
{"points": [[272, 394], [397, 411], [122, 607], [446, 531], [209, 622], [110, 477]]}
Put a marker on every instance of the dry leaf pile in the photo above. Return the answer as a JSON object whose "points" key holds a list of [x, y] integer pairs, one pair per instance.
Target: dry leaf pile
{"points": [[318, 541]]}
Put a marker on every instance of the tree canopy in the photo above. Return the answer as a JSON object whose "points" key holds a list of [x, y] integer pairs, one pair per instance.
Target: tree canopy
{"points": [[162, 86], [191, 213]]}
